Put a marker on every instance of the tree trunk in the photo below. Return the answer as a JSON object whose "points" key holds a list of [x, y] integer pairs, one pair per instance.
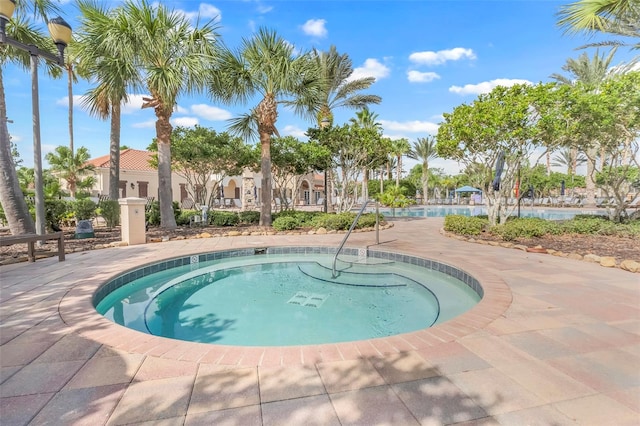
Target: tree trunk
{"points": [[425, 183], [365, 185], [165, 193], [114, 153], [590, 178], [11, 197], [265, 168]]}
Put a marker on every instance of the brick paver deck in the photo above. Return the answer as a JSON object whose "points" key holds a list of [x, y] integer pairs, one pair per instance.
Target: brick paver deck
{"points": [[554, 341]]}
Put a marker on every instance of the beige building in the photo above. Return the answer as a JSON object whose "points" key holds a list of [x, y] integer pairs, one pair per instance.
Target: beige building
{"points": [[139, 179]]}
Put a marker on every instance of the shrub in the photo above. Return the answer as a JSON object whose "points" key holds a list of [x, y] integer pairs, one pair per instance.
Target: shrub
{"points": [[55, 211], [84, 209], [339, 221], [218, 218], [110, 211], [465, 225], [368, 220], [285, 223], [152, 212], [585, 225], [249, 217], [185, 216], [526, 227]]}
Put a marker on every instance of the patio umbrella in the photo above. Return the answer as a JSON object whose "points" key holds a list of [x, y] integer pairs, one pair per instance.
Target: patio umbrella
{"points": [[562, 188], [499, 168], [468, 189]]}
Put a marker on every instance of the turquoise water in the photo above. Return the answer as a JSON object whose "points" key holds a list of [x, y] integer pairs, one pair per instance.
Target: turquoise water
{"points": [[442, 211], [283, 300]]}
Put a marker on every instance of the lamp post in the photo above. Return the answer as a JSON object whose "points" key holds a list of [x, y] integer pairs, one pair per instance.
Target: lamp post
{"points": [[61, 34], [323, 125]]}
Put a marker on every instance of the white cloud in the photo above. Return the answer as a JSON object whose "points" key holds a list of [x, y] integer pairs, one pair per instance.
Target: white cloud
{"points": [[205, 11], [133, 104], [294, 131], [181, 110], [185, 121], [441, 56], [77, 100], [261, 8], [149, 124], [315, 28], [486, 86], [410, 126], [421, 77], [210, 113], [371, 68]]}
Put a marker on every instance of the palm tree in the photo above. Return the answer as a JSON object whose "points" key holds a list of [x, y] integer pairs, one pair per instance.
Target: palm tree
{"points": [[70, 166], [339, 90], [264, 65], [175, 58], [366, 119], [11, 197], [399, 147], [424, 149], [590, 72], [618, 17], [570, 159], [110, 65]]}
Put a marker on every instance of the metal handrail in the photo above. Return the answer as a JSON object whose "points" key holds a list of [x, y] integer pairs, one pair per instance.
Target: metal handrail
{"points": [[344, 240]]}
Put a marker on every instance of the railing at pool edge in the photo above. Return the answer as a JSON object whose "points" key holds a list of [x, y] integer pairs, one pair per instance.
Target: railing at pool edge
{"points": [[344, 240]]}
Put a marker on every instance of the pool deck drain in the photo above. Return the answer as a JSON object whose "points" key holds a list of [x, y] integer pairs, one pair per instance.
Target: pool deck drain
{"points": [[554, 341], [310, 300]]}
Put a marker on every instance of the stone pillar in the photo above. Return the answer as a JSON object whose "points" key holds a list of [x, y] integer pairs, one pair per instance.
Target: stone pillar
{"points": [[132, 220], [248, 190]]}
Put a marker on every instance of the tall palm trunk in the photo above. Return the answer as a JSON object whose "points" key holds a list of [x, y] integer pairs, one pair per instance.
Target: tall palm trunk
{"points": [[11, 197], [265, 168], [114, 152], [425, 183], [165, 192]]}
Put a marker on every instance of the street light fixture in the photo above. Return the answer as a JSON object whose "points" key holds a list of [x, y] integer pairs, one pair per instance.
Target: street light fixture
{"points": [[61, 34], [324, 123]]}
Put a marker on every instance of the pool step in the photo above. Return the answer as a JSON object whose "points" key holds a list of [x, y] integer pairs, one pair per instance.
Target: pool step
{"points": [[361, 278]]}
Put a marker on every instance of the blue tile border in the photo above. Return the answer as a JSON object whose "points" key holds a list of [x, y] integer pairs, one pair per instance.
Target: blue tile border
{"points": [[140, 272]]}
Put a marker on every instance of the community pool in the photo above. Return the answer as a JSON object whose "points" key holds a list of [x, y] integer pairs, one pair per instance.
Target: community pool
{"points": [[442, 211], [286, 296]]}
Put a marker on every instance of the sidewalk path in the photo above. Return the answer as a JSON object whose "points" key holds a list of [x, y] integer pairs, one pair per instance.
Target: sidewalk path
{"points": [[554, 341]]}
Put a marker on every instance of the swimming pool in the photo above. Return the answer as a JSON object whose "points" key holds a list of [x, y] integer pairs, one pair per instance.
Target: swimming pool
{"points": [[442, 211], [286, 296]]}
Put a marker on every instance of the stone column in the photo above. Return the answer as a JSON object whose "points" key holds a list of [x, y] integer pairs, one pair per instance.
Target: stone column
{"points": [[132, 220]]}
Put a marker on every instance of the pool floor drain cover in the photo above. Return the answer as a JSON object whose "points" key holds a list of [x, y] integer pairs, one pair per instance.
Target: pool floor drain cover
{"points": [[311, 300]]}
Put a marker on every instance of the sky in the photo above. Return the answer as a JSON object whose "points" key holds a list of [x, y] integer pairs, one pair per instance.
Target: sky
{"points": [[427, 58]]}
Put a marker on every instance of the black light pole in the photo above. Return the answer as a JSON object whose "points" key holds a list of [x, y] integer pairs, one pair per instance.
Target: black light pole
{"points": [[323, 125], [61, 33]]}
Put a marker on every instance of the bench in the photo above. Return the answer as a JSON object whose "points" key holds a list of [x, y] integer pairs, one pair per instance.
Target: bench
{"points": [[31, 240]]}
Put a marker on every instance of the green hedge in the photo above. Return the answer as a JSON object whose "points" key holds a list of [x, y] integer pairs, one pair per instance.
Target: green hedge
{"points": [[465, 225], [528, 227], [285, 223], [525, 227], [218, 218]]}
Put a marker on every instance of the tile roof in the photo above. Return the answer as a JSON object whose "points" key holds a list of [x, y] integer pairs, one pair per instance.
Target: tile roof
{"points": [[130, 159]]}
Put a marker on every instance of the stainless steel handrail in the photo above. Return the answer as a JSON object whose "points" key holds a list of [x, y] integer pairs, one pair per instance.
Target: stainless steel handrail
{"points": [[344, 240]]}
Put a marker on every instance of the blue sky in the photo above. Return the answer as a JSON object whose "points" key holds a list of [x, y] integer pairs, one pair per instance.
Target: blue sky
{"points": [[427, 57]]}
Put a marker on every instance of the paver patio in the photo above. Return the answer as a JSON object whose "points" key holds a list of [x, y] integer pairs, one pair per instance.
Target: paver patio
{"points": [[554, 341]]}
